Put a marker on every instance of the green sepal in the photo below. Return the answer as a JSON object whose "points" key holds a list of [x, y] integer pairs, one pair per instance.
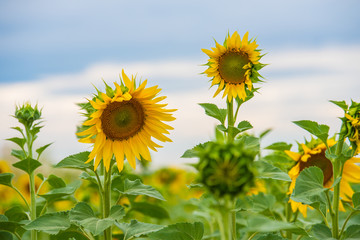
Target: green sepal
{"points": [[180, 231], [56, 182], [28, 165], [150, 210], [279, 146], [51, 223], [135, 188], [213, 111], [341, 104], [136, 229], [319, 130], [76, 161], [6, 179]]}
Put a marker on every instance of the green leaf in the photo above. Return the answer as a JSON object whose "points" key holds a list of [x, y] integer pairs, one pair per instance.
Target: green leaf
{"points": [[243, 126], [270, 236], [192, 153], [150, 210], [19, 154], [137, 229], [213, 111], [352, 232], [56, 182], [59, 193], [16, 214], [28, 165], [9, 226], [41, 149], [6, 236], [6, 178], [319, 130], [71, 233], [88, 177], [180, 231], [321, 231], [264, 133], [279, 160], [356, 199], [19, 141], [268, 171], [136, 188], [279, 146], [76, 161], [51, 223], [264, 224], [262, 202], [341, 104], [309, 186], [83, 215]]}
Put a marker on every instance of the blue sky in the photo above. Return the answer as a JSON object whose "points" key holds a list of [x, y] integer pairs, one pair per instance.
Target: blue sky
{"points": [[51, 52]]}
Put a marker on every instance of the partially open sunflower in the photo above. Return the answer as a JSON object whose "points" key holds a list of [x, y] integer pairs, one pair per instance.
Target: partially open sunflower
{"points": [[315, 156], [234, 66], [124, 121]]}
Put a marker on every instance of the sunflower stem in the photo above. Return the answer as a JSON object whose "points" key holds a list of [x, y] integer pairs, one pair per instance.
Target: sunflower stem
{"points": [[231, 122], [288, 219], [107, 201], [337, 173]]}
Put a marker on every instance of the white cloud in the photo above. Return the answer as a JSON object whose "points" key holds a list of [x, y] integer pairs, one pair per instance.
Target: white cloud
{"points": [[295, 95]]}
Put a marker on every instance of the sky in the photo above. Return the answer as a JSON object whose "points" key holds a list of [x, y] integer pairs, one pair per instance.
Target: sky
{"points": [[52, 53]]}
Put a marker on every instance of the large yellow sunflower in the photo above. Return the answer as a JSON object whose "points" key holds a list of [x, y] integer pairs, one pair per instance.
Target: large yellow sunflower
{"points": [[316, 157], [234, 65], [124, 121]]}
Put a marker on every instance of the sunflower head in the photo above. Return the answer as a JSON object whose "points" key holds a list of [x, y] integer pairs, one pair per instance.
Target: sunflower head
{"points": [[226, 168], [352, 118], [27, 115], [122, 122], [234, 66]]}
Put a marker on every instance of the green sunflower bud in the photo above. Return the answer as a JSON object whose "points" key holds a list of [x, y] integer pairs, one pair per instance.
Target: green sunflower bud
{"points": [[226, 168], [27, 115]]}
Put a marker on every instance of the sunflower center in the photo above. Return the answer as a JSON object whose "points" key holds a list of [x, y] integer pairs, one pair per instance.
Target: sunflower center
{"points": [[231, 66], [319, 160], [122, 120]]}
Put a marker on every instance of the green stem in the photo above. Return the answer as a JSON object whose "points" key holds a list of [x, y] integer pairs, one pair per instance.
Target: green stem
{"points": [[346, 221], [324, 218], [253, 235], [337, 173], [231, 122], [107, 202], [22, 196], [288, 218], [233, 218], [33, 204]]}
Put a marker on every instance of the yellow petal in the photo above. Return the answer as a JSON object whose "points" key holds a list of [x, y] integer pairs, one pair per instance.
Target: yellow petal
{"points": [[293, 155], [118, 150], [107, 154]]}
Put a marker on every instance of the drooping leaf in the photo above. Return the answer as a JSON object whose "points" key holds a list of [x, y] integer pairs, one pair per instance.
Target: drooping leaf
{"points": [[28, 165], [279, 146], [180, 231], [76, 161], [319, 130], [56, 182], [136, 188], [213, 111], [6, 179], [321, 231], [40, 150], [150, 210], [268, 171], [51, 223], [137, 229]]}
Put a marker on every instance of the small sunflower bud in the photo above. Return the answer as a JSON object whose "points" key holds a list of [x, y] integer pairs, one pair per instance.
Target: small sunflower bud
{"points": [[27, 115]]}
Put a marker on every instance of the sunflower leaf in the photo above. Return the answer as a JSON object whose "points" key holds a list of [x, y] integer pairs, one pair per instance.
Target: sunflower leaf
{"points": [[41, 149], [76, 161], [150, 210], [213, 111], [180, 231], [356, 199], [61, 192], [28, 165], [268, 171], [321, 231], [19, 141], [137, 229], [319, 130], [279, 146], [352, 232], [6, 178], [56, 182], [51, 223], [341, 104], [136, 188], [243, 126], [10, 226]]}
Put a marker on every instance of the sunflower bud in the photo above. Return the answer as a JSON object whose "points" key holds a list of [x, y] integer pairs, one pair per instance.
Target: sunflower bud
{"points": [[226, 168], [27, 115], [353, 126]]}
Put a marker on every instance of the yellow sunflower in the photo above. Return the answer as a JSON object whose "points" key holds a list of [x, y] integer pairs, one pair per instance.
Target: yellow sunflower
{"points": [[316, 157], [354, 131], [234, 66], [124, 121]]}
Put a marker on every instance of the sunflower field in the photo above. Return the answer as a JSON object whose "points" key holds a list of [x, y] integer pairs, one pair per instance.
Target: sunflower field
{"points": [[236, 189]]}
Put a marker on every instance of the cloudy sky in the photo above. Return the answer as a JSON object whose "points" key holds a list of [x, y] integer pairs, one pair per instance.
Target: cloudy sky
{"points": [[52, 52]]}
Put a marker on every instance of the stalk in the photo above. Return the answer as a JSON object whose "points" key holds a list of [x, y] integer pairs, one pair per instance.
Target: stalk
{"points": [[231, 122], [107, 201], [288, 218]]}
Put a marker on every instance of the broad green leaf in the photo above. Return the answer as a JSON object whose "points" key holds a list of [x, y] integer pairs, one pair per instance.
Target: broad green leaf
{"points": [[6, 178], [356, 199], [279, 146], [341, 104], [41, 149], [56, 182], [117, 212], [352, 232], [9, 226], [319, 130], [270, 236], [16, 214], [71, 233], [180, 231], [76, 161], [213, 111], [279, 160], [264, 224], [243, 126], [268, 171], [150, 210], [346, 153], [51, 223], [137, 229], [309, 186], [321, 231], [6, 236], [262, 202], [19, 141], [88, 177], [19, 154], [28, 165], [193, 153], [59, 193], [251, 142], [136, 188]]}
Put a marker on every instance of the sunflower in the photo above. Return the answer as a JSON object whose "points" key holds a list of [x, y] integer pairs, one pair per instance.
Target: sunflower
{"points": [[234, 65], [23, 184], [354, 136], [124, 121], [315, 156]]}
